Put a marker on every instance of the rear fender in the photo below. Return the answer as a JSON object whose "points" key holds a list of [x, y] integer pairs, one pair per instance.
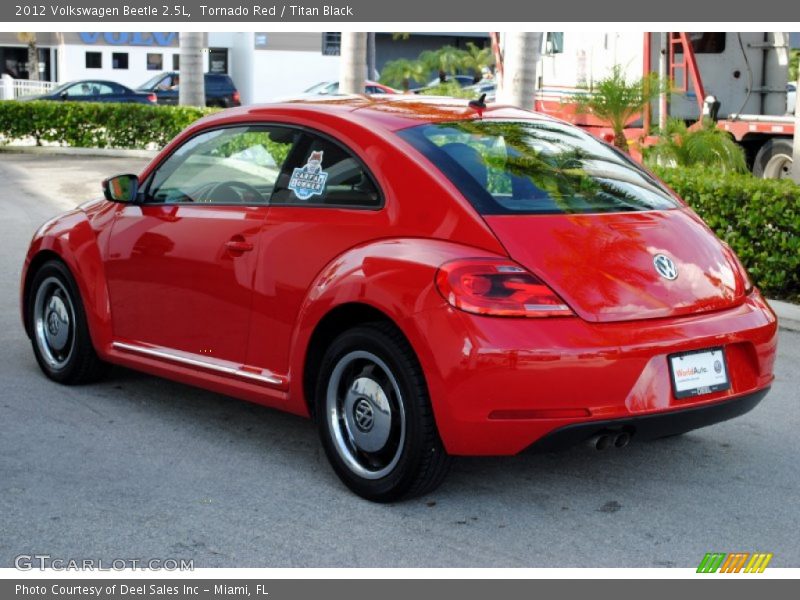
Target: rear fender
{"points": [[395, 277]]}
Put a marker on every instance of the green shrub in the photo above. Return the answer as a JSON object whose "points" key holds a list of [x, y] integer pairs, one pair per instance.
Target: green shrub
{"points": [[759, 218], [703, 144], [95, 124]]}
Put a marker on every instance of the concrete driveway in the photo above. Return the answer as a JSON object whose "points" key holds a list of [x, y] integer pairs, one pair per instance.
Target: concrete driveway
{"points": [[138, 467]]}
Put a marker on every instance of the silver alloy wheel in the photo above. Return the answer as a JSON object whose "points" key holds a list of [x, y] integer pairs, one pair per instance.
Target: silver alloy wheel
{"points": [[54, 323], [778, 167], [365, 414]]}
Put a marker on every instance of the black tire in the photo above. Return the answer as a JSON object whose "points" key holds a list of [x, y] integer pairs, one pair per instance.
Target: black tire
{"points": [[53, 296], [774, 159], [411, 461]]}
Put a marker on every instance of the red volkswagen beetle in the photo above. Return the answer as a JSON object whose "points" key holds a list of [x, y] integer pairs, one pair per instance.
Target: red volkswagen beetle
{"points": [[423, 278]]}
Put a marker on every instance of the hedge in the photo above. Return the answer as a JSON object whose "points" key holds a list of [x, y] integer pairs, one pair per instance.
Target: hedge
{"points": [[759, 218], [95, 124]]}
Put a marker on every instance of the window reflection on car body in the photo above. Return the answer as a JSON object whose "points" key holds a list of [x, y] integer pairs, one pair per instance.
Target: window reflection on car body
{"points": [[536, 167]]}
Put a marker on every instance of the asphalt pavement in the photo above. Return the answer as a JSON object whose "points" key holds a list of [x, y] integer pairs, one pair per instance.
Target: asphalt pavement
{"points": [[137, 467]]}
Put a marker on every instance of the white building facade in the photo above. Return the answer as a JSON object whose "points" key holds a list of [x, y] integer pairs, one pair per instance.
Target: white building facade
{"points": [[263, 66]]}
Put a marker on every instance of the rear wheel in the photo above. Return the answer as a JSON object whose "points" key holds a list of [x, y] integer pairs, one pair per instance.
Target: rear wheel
{"points": [[59, 332], [774, 159], [374, 416]]}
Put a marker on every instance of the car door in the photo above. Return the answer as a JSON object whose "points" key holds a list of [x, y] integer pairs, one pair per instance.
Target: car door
{"points": [[105, 92], [181, 262], [167, 89], [80, 92]]}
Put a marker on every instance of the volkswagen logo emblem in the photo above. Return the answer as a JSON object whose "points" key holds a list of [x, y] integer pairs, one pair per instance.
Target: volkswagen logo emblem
{"points": [[665, 267], [363, 415], [53, 323]]}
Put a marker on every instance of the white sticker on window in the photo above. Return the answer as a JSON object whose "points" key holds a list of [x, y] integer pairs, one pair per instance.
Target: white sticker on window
{"points": [[309, 180]]}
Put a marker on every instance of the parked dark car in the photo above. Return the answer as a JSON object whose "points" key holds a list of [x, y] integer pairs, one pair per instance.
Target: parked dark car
{"points": [[95, 90], [461, 80], [220, 89]]}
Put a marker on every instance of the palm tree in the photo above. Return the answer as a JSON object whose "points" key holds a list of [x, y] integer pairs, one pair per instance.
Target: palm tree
{"points": [[29, 38], [353, 62], [445, 60], [520, 57], [476, 59], [192, 89], [701, 144], [400, 73], [616, 101]]}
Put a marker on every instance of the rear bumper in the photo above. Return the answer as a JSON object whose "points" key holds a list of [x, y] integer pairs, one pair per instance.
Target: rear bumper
{"points": [[650, 427], [498, 386]]}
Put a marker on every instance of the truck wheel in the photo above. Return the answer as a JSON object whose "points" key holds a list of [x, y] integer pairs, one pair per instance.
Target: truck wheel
{"points": [[774, 159], [374, 416]]}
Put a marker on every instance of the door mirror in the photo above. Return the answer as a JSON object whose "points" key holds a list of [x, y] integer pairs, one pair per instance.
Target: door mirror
{"points": [[122, 188]]}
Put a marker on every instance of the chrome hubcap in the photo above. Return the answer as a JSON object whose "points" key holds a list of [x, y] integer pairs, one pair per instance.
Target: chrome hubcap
{"points": [[365, 414], [778, 167], [54, 316]]}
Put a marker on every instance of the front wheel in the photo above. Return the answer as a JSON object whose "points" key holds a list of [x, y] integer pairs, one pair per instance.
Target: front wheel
{"points": [[59, 331], [374, 416]]}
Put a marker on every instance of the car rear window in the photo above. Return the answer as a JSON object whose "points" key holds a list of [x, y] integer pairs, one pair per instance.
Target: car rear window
{"points": [[536, 167]]}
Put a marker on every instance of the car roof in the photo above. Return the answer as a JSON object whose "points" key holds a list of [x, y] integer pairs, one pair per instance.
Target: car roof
{"points": [[388, 112], [104, 81]]}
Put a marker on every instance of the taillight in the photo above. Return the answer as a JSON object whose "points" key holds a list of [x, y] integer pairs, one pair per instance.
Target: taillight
{"points": [[499, 288], [152, 98], [236, 97]]}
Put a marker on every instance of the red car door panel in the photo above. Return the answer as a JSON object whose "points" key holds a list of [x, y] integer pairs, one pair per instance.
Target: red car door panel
{"points": [[181, 276]]}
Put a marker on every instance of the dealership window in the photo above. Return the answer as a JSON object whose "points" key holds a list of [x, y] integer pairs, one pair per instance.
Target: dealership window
{"points": [[234, 165], [176, 62], [554, 43], [218, 60], [119, 60], [705, 42], [320, 172], [94, 60], [332, 43], [155, 61]]}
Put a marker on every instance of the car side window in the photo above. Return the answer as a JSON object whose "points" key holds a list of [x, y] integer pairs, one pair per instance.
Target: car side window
{"points": [[81, 89], [233, 165], [320, 172]]}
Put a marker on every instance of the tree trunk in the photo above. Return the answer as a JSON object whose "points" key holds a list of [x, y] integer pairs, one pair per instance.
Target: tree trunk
{"points": [[353, 63], [620, 141], [520, 58], [796, 153], [192, 88], [372, 71], [33, 61]]}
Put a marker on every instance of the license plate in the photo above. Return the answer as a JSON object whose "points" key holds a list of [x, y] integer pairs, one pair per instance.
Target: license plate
{"points": [[698, 372]]}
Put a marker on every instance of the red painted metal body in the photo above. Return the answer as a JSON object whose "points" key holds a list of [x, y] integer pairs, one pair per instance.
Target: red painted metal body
{"points": [[239, 319]]}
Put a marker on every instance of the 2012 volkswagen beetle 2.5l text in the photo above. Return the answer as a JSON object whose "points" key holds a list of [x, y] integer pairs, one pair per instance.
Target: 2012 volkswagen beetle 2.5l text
{"points": [[424, 278]]}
